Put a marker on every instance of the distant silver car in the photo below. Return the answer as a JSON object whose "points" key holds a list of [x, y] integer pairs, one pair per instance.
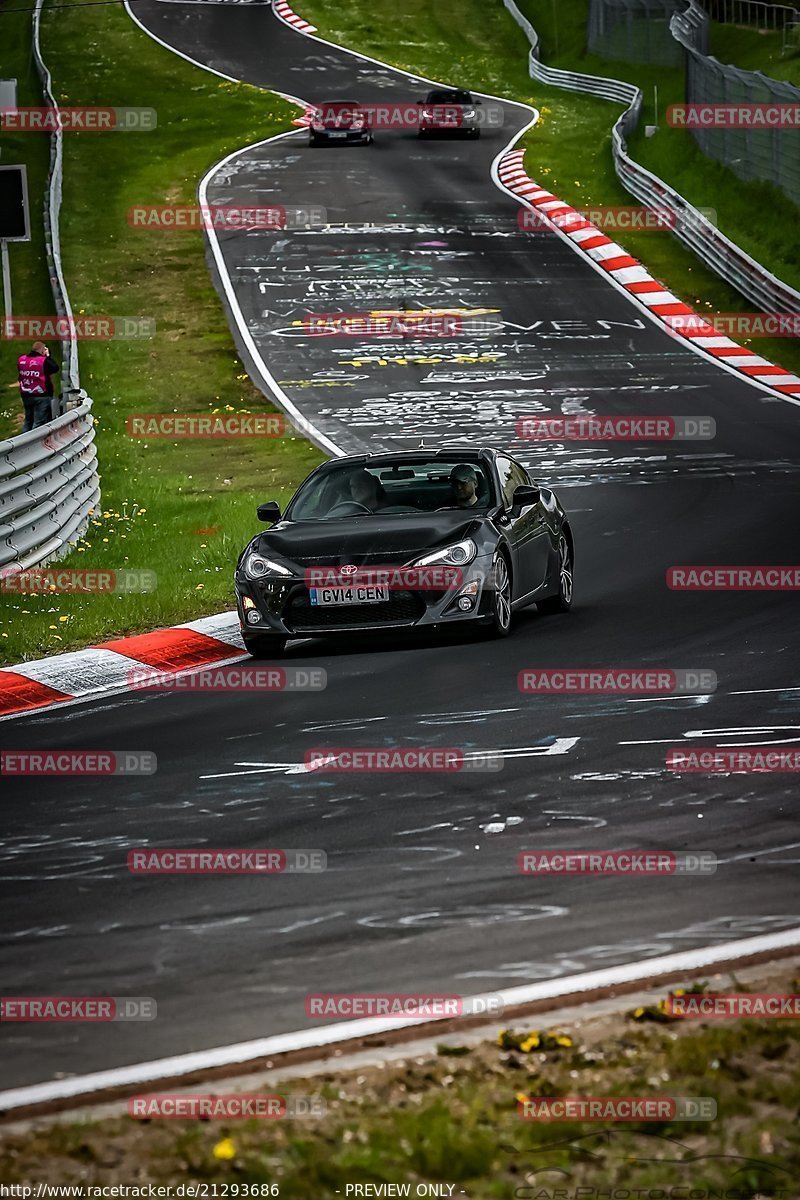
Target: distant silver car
{"points": [[449, 111]]}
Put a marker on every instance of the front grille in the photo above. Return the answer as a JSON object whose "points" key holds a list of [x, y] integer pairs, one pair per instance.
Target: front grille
{"points": [[391, 558], [301, 616]]}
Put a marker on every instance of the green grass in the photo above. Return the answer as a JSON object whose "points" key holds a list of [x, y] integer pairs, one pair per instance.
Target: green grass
{"points": [[475, 43], [453, 1120], [757, 50], [182, 509]]}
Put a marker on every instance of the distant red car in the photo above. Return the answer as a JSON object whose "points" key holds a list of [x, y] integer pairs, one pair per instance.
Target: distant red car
{"points": [[340, 121], [449, 110]]}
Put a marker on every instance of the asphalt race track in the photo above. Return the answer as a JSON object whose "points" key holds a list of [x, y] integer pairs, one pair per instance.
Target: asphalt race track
{"points": [[422, 890]]}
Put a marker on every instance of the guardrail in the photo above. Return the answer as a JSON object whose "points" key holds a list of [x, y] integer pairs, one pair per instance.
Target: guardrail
{"points": [[752, 12], [711, 246], [48, 485]]}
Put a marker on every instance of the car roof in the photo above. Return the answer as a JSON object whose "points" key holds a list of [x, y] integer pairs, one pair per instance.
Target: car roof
{"points": [[447, 453], [337, 104], [448, 92]]}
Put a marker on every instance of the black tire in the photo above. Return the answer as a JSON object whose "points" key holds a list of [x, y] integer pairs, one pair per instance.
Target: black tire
{"points": [[264, 645], [499, 624], [562, 601]]}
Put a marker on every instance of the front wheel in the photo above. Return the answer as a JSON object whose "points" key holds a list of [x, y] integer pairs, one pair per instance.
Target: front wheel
{"points": [[500, 614], [562, 601], [264, 645]]}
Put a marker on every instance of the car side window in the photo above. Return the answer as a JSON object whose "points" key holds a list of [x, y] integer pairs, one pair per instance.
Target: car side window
{"points": [[511, 476]]}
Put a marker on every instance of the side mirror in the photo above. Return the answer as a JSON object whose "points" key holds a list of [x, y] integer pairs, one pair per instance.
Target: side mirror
{"points": [[270, 512], [524, 496], [477, 100]]}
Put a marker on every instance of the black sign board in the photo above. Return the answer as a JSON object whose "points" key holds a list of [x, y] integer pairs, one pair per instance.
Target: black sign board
{"points": [[14, 222]]}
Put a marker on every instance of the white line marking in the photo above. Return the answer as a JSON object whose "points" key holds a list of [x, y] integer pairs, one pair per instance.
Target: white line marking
{"points": [[757, 853], [679, 964]]}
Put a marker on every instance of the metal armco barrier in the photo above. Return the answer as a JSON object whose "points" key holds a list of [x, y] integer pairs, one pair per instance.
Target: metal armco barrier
{"points": [[48, 477], [48, 487], [769, 154], [718, 252]]}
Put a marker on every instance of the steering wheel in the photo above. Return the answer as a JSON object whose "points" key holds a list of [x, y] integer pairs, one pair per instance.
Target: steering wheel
{"points": [[350, 505]]}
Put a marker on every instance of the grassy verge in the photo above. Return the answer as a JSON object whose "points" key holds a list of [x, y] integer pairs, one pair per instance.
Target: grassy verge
{"points": [[453, 1120], [474, 43], [757, 50], [182, 509]]}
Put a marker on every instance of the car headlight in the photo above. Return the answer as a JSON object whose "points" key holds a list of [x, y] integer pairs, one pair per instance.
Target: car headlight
{"points": [[357, 123], [256, 566], [469, 114], [427, 114], [456, 555]]}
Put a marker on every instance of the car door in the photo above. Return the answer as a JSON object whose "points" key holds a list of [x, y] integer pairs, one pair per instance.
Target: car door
{"points": [[527, 532]]}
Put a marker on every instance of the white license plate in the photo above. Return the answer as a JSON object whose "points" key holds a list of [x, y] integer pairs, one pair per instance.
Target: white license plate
{"points": [[324, 597], [337, 135]]}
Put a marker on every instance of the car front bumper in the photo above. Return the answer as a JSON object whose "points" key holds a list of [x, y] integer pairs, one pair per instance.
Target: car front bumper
{"points": [[283, 607], [351, 136]]}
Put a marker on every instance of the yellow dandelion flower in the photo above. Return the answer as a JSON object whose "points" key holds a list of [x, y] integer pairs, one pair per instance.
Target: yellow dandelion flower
{"points": [[226, 1149]]}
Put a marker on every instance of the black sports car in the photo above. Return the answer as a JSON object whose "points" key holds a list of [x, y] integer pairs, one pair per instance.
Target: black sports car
{"points": [[339, 121], [404, 541]]}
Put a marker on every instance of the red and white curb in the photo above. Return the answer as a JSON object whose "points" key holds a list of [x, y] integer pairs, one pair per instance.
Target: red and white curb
{"points": [[108, 667], [289, 17], [639, 283]]}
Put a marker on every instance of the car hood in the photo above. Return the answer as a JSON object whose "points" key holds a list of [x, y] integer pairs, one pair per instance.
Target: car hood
{"points": [[365, 540]]}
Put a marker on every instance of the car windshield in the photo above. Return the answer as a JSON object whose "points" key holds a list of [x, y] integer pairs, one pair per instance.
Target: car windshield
{"points": [[391, 489], [338, 110], [452, 97]]}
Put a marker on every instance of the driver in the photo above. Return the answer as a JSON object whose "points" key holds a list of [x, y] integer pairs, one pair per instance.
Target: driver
{"points": [[366, 490], [464, 484]]}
